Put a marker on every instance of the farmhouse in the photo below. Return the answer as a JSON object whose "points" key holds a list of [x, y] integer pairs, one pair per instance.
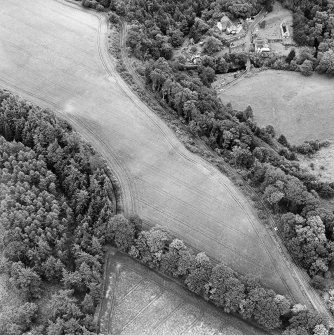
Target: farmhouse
{"points": [[226, 25], [261, 45], [225, 22]]}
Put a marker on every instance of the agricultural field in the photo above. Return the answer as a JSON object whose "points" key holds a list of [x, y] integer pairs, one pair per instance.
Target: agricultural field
{"points": [[55, 54], [298, 107], [139, 301]]}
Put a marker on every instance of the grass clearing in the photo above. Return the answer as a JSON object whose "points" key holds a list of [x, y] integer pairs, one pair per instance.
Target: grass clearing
{"points": [[158, 306], [299, 107], [321, 163]]}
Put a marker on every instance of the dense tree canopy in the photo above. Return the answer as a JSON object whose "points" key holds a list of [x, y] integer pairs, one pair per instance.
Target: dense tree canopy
{"points": [[56, 196]]}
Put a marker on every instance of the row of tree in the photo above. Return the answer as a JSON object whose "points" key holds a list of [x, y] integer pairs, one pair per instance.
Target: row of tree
{"points": [[217, 283]]}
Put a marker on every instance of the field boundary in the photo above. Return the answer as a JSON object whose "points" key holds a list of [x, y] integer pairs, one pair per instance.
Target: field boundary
{"points": [[173, 285]]}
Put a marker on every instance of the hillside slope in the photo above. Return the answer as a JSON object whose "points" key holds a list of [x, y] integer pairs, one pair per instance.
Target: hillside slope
{"points": [[56, 56]]}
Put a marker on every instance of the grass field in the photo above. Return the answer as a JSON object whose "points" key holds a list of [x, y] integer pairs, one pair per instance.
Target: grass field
{"points": [[55, 55], [139, 301], [297, 106]]}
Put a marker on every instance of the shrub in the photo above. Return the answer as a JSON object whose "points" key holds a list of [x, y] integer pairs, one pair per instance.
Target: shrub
{"points": [[306, 68]]}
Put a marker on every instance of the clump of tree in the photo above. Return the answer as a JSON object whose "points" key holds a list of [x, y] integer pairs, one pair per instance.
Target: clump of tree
{"points": [[212, 45], [313, 26], [56, 198], [99, 5]]}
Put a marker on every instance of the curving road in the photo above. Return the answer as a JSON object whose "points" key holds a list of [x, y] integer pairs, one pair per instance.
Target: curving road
{"points": [[56, 55]]}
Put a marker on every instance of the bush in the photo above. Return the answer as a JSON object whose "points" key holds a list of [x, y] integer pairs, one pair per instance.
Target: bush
{"points": [[318, 282], [306, 68], [212, 45], [113, 17]]}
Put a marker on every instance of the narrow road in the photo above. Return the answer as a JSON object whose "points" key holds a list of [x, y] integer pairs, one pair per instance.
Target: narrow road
{"points": [[248, 40], [57, 56]]}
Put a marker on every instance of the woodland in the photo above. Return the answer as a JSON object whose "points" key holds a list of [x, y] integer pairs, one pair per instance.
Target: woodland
{"points": [[55, 201]]}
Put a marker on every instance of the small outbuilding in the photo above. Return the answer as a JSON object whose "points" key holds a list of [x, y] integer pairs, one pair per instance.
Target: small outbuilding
{"points": [[261, 45], [285, 30], [225, 22]]}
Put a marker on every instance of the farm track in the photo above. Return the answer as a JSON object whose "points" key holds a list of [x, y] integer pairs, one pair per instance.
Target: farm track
{"points": [[113, 300], [131, 194], [248, 38]]}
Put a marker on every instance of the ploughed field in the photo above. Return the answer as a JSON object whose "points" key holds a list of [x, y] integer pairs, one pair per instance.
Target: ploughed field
{"points": [[299, 107], [138, 301], [55, 55]]}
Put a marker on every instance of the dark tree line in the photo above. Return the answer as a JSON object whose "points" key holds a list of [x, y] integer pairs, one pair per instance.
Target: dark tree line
{"points": [[56, 197], [235, 135]]}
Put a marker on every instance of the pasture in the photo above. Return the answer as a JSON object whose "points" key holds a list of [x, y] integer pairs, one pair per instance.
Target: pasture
{"points": [[299, 107], [139, 301], [55, 54]]}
